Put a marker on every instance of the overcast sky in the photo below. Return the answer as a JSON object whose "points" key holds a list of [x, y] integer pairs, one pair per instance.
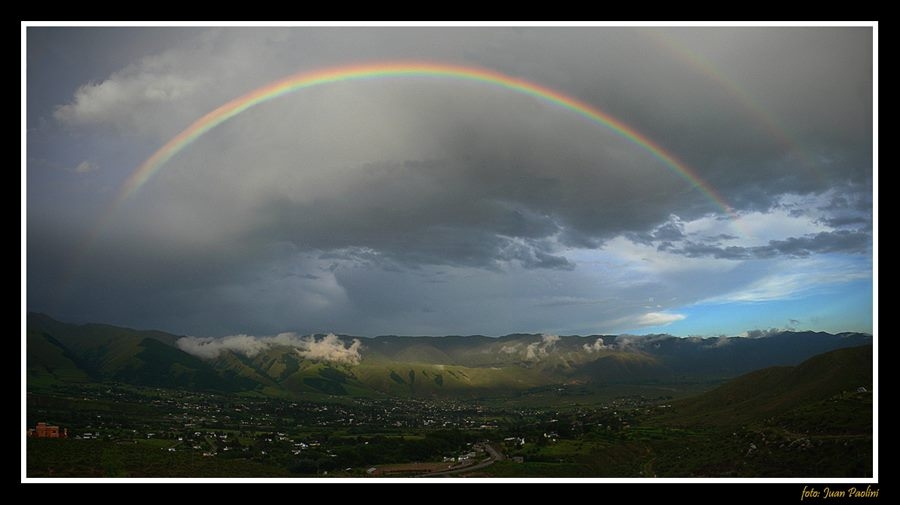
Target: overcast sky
{"points": [[432, 206]]}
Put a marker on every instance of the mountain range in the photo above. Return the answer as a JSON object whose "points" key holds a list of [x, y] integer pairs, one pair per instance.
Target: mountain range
{"points": [[290, 365]]}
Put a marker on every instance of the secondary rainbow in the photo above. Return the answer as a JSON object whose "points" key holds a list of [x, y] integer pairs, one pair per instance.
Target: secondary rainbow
{"points": [[755, 110], [305, 80]]}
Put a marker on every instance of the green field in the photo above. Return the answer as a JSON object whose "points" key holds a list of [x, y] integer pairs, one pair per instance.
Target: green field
{"points": [[98, 458]]}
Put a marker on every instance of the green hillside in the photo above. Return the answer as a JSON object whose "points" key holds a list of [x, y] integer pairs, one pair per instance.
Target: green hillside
{"points": [[48, 361], [776, 390], [809, 420], [63, 352], [101, 348], [424, 367]]}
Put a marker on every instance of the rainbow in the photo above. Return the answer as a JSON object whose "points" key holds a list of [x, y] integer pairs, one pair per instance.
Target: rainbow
{"points": [[305, 80], [755, 111]]}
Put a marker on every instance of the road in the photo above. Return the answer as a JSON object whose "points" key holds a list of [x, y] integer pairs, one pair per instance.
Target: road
{"points": [[493, 455]]}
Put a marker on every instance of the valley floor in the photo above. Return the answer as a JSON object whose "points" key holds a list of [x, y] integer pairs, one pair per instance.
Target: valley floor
{"points": [[126, 431]]}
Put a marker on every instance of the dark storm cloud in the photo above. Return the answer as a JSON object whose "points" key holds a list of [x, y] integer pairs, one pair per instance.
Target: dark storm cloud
{"points": [[277, 216], [841, 241], [841, 221], [668, 232], [375, 228], [764, 122]]}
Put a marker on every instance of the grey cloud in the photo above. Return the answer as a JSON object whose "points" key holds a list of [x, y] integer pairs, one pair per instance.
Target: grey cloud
{"points": [[310, 204], [843, 241], [85, 167], [669, 231], [664, 246], [597, 346], [112, 101], [329, 348], [531, 257], [846, 241], [841, 221], [539, 350], [697, 250], [492, 172], [762, 333], [672, 230], [509, 349], [210, 348], [453, 229], [562, 301]]}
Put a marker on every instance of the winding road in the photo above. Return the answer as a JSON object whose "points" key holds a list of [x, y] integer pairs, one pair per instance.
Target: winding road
{"points": [[493, 455]]}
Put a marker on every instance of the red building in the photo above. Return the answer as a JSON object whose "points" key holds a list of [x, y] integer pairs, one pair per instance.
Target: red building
{"points": [[44, 431]]}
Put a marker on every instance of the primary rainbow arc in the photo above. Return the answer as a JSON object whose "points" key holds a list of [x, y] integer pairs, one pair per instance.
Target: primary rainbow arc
{"points": [[304, 80]]}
